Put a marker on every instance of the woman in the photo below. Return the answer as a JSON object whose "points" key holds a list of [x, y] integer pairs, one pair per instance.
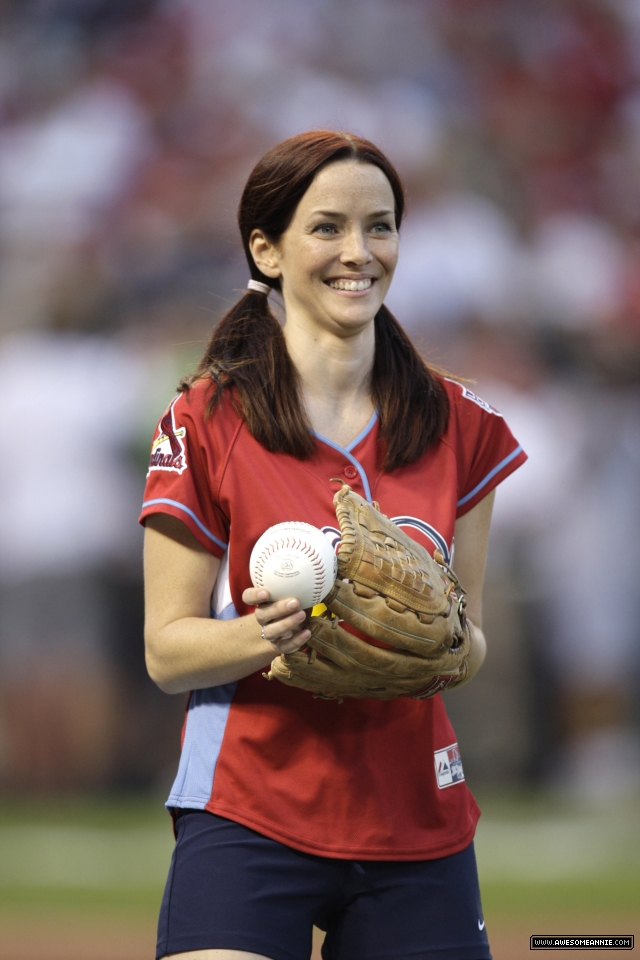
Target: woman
{"points": [[292, 811]]}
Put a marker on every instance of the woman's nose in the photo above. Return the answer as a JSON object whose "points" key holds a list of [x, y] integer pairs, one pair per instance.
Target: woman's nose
{"points": [[355, 248]]}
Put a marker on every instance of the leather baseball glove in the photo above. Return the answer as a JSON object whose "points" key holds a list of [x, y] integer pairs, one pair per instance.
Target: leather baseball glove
{"points": [[392, 590]]}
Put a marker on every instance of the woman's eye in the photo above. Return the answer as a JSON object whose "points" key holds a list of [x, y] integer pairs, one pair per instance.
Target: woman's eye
{"points": [[327, 229], [381, 227]]}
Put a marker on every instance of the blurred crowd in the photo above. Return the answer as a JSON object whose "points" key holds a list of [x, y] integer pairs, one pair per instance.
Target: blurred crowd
{"points": [[127, 130]]}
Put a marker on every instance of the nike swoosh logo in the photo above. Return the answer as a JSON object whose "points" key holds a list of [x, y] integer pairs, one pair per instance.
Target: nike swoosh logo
{"points": [[480, 925]]}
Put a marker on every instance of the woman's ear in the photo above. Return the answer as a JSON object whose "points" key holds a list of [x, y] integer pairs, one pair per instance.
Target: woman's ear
{"points": [[265, 254]]}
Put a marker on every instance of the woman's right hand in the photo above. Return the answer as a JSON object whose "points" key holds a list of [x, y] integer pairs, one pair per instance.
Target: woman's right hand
{"points": [[281, 621]]}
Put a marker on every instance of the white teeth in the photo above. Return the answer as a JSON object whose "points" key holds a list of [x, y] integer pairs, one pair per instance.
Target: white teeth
{"points": [[350, 284]]}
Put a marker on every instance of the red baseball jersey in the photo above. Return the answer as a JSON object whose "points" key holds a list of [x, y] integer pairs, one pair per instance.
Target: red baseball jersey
{"points": [[362, 779]]}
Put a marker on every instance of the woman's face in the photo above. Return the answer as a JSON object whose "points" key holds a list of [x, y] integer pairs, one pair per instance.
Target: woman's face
{"points": [[337, 257]]}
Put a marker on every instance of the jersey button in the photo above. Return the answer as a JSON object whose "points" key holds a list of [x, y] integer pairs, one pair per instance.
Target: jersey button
{"points": [[350, 472]]}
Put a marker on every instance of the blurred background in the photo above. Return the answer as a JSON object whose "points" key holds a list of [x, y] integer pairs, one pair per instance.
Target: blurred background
{"points": [[127, 130]]}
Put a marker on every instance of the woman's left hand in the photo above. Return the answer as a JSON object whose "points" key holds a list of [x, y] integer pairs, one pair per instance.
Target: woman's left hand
{"points": [[281, 621]]}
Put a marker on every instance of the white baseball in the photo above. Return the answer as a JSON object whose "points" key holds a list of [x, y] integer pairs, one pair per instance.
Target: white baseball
{"points": [[294, 559]]}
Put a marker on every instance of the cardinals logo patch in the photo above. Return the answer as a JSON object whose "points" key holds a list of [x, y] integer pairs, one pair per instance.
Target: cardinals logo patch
{"points": [[448, 766], [167, 449]]}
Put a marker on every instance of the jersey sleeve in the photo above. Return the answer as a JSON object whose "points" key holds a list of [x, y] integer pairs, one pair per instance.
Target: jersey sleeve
{"points": [[486, 450], [181, 479]]}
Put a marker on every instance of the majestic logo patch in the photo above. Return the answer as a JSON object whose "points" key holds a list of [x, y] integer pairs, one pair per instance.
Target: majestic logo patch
{"points": [[448, 766], [167, 450]]}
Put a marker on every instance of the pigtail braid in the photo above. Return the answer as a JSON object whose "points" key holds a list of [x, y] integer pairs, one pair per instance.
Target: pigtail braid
{"points": [[411, 400], [247, 351]]}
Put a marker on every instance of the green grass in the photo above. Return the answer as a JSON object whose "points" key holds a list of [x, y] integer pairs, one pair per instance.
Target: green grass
{"points": [[542, 859], [79, 855], [109, 811], [537, 858], [563, 899], [145, 901]]}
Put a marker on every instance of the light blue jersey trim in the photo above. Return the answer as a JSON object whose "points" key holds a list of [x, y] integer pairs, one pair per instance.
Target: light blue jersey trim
{"points": [[363, 433], [181, 506], [207, 717], [345, 452], [206, 722], [229, 613], [490, 475]]}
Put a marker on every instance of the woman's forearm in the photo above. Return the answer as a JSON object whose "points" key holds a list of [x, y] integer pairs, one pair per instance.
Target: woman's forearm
{"points": [[185, 648], [193, 652]]}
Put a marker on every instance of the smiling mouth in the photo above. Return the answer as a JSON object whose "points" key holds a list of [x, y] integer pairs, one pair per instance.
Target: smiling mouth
{"points": [[352, 285]]}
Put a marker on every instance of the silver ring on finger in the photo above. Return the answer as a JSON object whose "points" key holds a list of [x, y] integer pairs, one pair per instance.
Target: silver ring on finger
{"points": [[263, 636]]}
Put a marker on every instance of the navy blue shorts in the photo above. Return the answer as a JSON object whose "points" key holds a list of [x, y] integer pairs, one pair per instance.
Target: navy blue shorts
{"points": [[231, 888]]}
